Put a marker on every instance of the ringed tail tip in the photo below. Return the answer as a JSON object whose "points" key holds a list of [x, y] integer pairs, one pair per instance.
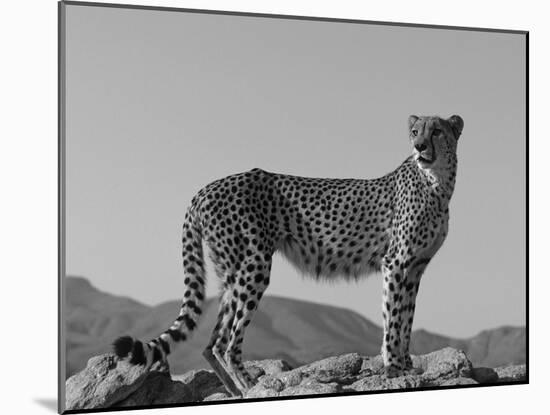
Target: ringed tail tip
{"points": [[123, 346]]}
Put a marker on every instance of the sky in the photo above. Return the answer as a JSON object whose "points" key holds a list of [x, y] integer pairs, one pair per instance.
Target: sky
{"points": [[160, 103]]}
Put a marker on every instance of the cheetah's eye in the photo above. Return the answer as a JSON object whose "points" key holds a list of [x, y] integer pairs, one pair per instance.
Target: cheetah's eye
{"points": [[414, 133], [437, 131]]}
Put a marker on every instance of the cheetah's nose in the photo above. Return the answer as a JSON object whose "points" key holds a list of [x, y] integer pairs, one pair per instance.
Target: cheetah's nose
{"points": [[420, 147]]}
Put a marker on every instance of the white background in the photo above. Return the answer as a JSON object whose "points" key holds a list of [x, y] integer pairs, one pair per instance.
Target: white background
{"points": [[28, 164]]}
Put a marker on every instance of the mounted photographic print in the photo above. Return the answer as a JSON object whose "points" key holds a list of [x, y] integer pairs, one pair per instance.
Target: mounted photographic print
{"points": [[258, 207]]}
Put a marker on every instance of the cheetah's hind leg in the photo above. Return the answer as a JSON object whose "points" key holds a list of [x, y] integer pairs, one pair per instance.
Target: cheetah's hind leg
{"points": [[217, 344], [246, 298], [221, 372]]}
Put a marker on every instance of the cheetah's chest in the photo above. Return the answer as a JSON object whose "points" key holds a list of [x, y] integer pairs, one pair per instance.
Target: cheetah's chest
{"points": [[428, 231]]}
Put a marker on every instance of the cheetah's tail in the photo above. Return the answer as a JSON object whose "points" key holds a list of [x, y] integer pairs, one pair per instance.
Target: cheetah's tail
{"points": [[157, 349]]}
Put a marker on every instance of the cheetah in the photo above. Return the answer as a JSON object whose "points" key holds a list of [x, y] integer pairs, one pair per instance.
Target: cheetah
{"points": [[327, 228]]}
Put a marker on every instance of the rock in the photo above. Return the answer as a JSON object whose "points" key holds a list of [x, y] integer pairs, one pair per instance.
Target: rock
{"points": [[381, 382], [335, 367], [157, 389], [258, 368], [107, 382], [311, 387], [484, 375], [512, 373], [459, 381], [324, 376], [443, 364], [266, 372], [217, 397], [201, 383], [104, 382], [438, 368], [255, 372], [273, 383], [372, 365], [268, 366], [267, 387], [292, 378]]}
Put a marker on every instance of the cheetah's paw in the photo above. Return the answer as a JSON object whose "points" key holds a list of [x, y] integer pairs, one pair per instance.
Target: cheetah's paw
{"points": [[393, 371]]}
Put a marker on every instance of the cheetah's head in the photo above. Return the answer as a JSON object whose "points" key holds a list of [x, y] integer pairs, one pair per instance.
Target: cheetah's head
{"points": [[434, 140]]}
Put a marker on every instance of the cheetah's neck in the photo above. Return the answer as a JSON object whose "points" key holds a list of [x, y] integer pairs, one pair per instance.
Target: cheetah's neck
{"points": [[438, 182]]}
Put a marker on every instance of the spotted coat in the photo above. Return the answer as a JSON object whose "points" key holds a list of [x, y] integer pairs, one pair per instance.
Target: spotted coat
{"points": [[328, 228]]}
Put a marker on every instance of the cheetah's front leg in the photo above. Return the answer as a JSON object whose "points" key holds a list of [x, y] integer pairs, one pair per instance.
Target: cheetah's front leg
{"points": [[392, 343], [411, 284]]}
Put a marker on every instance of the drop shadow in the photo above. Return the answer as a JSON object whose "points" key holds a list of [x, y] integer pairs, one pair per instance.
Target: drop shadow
{"points": [[47, 403]]}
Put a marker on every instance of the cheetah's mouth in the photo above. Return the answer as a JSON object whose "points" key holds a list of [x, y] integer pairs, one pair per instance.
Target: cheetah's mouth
{"points": [[424, 160]]}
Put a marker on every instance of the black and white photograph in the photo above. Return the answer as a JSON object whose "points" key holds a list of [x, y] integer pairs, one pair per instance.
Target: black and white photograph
{"points": [[268, 207]]}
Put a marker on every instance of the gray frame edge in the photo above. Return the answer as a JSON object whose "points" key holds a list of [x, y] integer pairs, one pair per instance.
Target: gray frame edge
{"points": [[61, 102]]}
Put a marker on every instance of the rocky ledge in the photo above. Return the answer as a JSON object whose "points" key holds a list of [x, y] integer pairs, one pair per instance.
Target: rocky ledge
{"points": [[107, 382]]}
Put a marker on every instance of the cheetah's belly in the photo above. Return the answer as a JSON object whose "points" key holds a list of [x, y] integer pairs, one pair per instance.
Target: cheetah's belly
{"points": [[327, 256]]}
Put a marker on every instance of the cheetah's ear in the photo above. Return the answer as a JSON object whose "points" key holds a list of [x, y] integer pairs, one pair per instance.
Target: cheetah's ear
{"points": [[412, 120], [457, 124]]}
